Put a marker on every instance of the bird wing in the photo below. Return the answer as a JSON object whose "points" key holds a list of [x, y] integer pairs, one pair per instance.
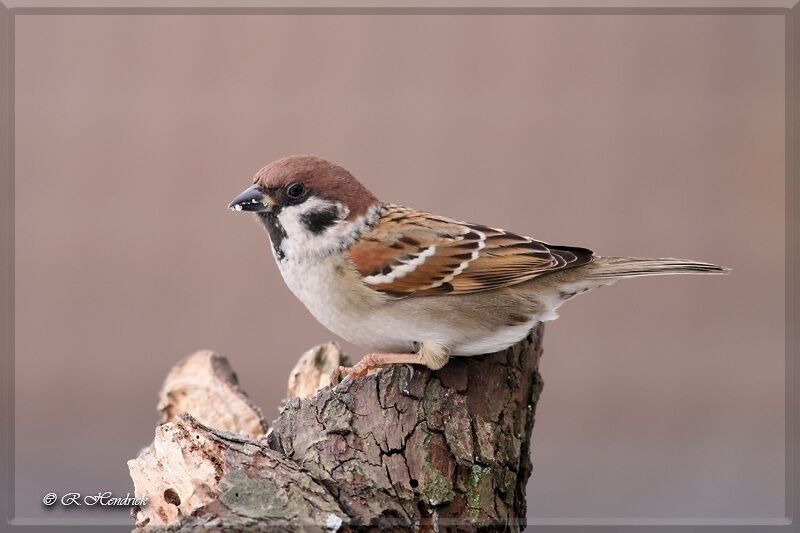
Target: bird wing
{"points": [[413, 253]]}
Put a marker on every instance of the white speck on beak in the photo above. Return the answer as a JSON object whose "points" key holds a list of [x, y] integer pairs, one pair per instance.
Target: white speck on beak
{"points": [[237, 208]]}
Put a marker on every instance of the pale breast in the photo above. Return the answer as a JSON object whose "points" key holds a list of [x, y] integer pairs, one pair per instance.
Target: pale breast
{"points": [[344, 306]]}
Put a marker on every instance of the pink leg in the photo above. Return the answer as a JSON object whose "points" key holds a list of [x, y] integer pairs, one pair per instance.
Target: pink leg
{"points": [[376, 360]]}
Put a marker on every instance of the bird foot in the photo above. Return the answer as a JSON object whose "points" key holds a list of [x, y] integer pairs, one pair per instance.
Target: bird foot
{"points": [[370, 362]]}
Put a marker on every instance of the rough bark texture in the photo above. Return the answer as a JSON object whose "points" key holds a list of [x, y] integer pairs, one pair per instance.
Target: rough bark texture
{"points": [[402, 448]]}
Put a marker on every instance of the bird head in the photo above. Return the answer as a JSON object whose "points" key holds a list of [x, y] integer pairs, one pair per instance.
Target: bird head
{"points": [[306, 203]]}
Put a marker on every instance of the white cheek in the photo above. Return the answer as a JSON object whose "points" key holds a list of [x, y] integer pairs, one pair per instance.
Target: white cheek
{"points": [[300, 242]]}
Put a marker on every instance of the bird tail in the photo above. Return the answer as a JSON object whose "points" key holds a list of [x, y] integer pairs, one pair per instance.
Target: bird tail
{"points": [[606, 268]]}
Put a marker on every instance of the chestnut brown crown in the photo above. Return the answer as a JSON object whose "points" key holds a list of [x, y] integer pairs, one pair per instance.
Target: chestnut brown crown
{"points": [[321, 177]]}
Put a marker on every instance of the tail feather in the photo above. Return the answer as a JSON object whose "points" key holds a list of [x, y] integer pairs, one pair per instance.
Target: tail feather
{"points": [[628, 267]]}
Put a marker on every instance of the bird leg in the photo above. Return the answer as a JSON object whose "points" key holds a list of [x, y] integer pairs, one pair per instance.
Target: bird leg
{"points": [[374, 360], [432, 355]]}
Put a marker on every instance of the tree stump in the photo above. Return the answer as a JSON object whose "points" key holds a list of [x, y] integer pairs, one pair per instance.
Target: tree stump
{"points": [[404, 447]]}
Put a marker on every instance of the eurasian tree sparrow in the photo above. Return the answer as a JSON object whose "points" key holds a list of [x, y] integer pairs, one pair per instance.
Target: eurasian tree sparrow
{"points": [[412, 286]]}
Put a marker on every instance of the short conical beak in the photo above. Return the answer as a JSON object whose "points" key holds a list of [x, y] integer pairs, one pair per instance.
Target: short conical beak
{"points": [[253, 200]]}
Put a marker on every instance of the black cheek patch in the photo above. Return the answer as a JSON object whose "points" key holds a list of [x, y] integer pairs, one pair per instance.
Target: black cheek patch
{"points": [[319, 221]]}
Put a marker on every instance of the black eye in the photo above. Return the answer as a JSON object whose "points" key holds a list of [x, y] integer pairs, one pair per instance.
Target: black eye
{"points": [[295, 190]]}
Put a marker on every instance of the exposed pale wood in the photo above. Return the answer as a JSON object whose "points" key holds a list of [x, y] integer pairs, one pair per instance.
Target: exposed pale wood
{"points": [[313, 370], [205, 386]]}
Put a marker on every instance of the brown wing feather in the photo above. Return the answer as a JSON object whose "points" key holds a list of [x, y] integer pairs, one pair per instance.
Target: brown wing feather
{"points": [[412, 253]]}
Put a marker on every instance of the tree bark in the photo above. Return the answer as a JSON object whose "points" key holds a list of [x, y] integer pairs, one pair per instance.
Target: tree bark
{"points": [[399, 448]]}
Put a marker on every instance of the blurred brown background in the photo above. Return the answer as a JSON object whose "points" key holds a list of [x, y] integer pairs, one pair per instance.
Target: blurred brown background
{"points": [[630, 134]]}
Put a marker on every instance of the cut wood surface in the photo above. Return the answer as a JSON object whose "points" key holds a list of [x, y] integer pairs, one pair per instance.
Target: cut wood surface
{"points": [[403, 447]]}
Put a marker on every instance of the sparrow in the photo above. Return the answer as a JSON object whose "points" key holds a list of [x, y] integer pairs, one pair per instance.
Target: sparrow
{"points": [[411, 286]]}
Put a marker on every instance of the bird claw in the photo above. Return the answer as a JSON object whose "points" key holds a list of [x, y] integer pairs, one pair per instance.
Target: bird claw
{"points": [[410, 368], [337, 376], [348, 373]]}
